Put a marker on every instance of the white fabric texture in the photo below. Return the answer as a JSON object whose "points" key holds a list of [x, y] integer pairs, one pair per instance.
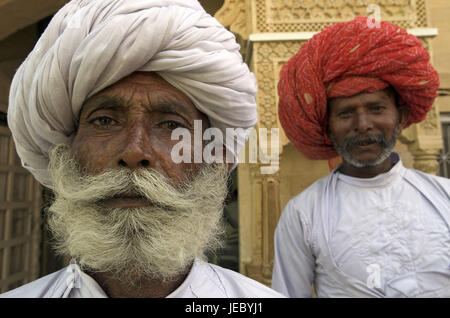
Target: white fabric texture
{"points": [[91, 44], [386, 236], [204, 281]]}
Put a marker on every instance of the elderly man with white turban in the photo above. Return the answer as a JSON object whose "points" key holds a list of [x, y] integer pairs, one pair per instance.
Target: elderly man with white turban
{"points": [[92, 110]]}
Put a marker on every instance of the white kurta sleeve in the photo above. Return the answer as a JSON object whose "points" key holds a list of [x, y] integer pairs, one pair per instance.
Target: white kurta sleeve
{"points": [[293, 272]]}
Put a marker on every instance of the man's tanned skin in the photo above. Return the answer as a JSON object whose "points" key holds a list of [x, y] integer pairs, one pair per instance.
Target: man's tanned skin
{"points": [[361, 115], [129, 125]]}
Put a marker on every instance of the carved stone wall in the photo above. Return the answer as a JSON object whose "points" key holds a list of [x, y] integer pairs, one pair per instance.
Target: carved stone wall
{"points": [[424, 140], [235, 15], [263, 16], [314, 15], [263, 197]]}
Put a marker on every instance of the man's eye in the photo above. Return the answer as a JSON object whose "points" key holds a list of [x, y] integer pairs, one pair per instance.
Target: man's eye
{"points": [[345, 114], [171, 125], [377, 108], [103, 121]]}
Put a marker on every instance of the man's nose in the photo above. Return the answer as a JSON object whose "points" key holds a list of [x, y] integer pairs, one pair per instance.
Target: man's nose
{"points": [[137, 149], [363, 122]]}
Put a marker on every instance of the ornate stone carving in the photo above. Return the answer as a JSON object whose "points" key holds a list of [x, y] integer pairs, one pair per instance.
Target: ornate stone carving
{"points": [[314, 15], [426, 161], [266, 212], [298, 11], [268, 59], [424, 142], [430, 126], [234, 15]]}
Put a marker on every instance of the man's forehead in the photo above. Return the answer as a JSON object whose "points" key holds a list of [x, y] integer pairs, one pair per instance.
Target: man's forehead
{"points": [[142, 77], [141, 88], [363, 98], [145, 83]]}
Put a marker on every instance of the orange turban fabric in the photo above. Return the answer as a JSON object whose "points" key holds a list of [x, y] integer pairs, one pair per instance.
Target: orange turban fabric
{"points": [[346, 59]]}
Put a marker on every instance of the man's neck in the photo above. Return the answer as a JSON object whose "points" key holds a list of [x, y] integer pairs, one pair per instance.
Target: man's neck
{"points": [[116, 287], [366, 172]]}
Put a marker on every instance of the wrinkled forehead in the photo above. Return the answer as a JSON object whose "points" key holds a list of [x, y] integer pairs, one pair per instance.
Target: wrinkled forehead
{"points": [[142, 84], [146, 89]]}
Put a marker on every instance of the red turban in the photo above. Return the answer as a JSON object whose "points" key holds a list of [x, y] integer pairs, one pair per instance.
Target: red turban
{"points": [[346, 59]]}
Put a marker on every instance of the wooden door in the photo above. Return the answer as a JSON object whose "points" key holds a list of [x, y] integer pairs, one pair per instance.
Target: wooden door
{"points": [[20, 225]]}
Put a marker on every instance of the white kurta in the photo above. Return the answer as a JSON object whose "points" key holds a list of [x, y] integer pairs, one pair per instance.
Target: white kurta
{"points": [[386, 236], [204, 281]]}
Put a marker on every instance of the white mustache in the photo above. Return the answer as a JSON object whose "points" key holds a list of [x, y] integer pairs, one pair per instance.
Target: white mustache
{"points": [[147, 183]]}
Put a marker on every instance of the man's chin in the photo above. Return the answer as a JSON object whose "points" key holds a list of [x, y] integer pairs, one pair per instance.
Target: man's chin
{"points": [[137, 242], [133, 274], [366, 160], [136, 265]]}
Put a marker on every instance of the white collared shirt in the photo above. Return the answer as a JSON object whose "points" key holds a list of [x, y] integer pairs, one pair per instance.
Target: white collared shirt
{"points": [[203, 281], [386, 236]]}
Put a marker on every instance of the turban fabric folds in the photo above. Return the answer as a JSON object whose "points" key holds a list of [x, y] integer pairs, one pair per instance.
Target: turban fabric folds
{"points": [[91, 44], [346, 59]]}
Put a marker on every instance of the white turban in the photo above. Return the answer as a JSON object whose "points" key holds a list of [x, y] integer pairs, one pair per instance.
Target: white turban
{"points": [[90, 45]]}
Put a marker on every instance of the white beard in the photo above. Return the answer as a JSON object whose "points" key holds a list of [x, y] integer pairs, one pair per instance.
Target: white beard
{"points": [[158, 242]]}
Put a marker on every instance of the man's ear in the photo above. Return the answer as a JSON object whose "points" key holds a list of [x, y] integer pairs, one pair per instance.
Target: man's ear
{"points": [[403, 113]]}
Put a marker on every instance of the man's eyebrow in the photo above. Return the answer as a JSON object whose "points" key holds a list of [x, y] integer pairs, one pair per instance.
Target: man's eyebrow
{"points": [[382, 101], [180, 109], [171, 108], [378, 102], [342, 109], [167, 106], [103, 102]]}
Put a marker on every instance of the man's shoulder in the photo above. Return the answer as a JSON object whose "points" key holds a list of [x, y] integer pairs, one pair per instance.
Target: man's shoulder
{"points": [[312, 192], [439, 179], [40, 288], [439, 183], [308, 199], [236, 285]]}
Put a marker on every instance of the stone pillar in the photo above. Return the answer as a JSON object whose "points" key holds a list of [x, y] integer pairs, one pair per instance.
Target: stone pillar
{"points": [[424, 141]]}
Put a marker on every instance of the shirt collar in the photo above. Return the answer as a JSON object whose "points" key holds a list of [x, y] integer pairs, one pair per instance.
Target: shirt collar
{"points": [[381, 180]]}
